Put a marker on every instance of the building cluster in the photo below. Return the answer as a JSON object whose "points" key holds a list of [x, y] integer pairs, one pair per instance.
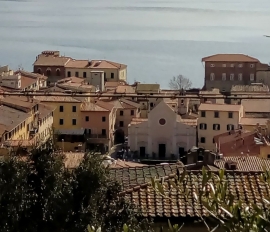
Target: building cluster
{"points": [[154, 128], [201, 127]]}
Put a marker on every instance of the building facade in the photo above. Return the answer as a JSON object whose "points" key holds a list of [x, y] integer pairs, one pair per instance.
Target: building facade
{"points": [[98, 119], [112, 71], [163, 135], [224, 70], [215, 119]]}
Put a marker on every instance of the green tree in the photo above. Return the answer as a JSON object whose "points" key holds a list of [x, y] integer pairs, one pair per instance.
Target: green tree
{"points": [[39, 194]]}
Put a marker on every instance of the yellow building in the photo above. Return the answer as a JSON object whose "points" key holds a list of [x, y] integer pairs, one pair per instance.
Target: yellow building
{"points": [[113, 72], [66, 121], [215, 119], [24, 122]]}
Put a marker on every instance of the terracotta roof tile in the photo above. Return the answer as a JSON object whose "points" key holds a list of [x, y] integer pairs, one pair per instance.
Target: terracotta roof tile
{"points": [[229, 58], [100, 64], [51, 60], [247, 163], [10, 117], [56, 99], [124, 89], [131, 177], [27, 81], [244, 186], [45, 110], [77, 64], [90, 106], [19, 101], [219, 107]]}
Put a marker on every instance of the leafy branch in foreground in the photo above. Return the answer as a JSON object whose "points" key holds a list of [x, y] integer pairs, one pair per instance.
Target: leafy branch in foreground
{"points": [[217, 199]]}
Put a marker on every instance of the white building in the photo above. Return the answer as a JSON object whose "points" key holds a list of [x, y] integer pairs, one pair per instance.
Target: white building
{"points": [[163, 134]]}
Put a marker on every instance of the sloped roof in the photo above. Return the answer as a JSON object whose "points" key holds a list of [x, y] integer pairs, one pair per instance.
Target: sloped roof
{"points": [[247, 163], [229, 58], [147, 87], [245, 186], [43, 60]]}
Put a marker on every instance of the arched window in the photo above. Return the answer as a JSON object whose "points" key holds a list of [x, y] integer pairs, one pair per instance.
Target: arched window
{"points": [[48, 72], [58, 72], [39, 70]]}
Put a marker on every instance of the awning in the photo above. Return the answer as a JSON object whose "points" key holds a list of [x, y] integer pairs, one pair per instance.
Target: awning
{"points": [[70, 131]]}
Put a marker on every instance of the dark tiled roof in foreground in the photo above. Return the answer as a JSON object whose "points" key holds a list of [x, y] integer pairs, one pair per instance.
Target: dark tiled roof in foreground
{"points": [[245, 186], [132, 177]]}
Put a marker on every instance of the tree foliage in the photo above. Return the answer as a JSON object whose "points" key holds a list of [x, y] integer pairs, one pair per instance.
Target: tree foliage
{"points": [[180, 83], [39, 194]]}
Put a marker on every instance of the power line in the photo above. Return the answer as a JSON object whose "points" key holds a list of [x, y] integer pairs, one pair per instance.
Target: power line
{"points": [[128, 95]]}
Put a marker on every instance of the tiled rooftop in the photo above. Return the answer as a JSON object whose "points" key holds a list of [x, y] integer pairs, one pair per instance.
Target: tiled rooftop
{"points": [[10, 118], [131, 177], [245, 186], [56, 99], [246, 163], [43, 60], [44, 110], [125, 89], [20, 101], [229, 58], [89, 106]]}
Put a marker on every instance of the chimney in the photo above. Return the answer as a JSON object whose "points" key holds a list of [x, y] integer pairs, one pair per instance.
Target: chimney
{"points": [[230, 165]]}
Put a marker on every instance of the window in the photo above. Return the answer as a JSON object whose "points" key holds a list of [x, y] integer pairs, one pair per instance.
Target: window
{"points": [[76, 74], [252, 77], [151, 104], [121, 112], [103, 119], [214, 140], [39, 71], [103, 131], [216, 114], [224, 76], [203, 114], [132, 112], [230, 127], [87, 118], [240, 77], [58, 73], [112, 75], [212, 76], [182, 101], [230, 115], [252, 65], [121, 123], [203, 126], [216, 126], [240, 65], [232, 65], [74, 122], [61, 108], [212, 65], [74, 108], [202, 139], [162, 121], [232, 77], [48, 72], [69, 74], [224, 65], [61, 121], [84, 74]]}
